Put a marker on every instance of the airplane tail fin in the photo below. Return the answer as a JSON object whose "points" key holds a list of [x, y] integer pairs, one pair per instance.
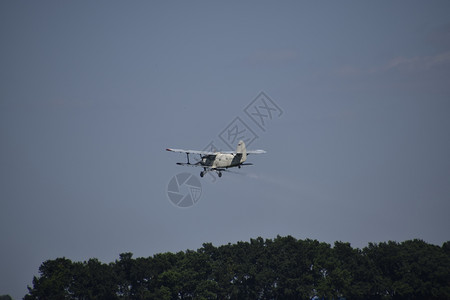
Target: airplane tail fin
{"points": [[242, 150]]}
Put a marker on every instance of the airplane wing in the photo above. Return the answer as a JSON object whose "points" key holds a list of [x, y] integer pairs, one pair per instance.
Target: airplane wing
{"points": [[248, 152], [209, 167], [189, 164], [191, 151], [213, 153]]}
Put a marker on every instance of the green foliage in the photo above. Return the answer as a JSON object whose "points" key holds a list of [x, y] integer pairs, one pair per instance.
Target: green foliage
{"points": [[282, 268]]}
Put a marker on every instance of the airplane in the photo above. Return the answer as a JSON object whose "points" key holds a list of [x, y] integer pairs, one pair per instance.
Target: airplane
{"points": [[218, 161]]}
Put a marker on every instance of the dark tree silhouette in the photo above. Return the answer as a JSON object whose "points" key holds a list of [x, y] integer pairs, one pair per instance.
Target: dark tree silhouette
{"points": [[282, 268]]}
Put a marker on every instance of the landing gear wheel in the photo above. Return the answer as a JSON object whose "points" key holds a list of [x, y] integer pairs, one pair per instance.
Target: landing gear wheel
{"points": [[220, 174], [202, 174]]}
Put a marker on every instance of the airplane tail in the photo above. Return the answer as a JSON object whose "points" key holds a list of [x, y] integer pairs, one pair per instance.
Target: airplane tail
{"points": [[242, 150]]}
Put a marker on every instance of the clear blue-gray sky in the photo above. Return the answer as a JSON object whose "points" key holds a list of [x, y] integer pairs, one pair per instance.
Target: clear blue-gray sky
{"points": [[92, 92]]}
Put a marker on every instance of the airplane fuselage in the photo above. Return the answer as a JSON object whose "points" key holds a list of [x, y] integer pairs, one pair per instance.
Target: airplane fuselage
{"points": [[222, 160]]}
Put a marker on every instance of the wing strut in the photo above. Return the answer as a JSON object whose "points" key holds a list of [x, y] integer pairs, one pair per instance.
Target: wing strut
{"points": [[187, 154]]}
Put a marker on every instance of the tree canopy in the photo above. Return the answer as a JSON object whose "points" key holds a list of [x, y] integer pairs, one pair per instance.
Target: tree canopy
{"points": [[280, 268]]}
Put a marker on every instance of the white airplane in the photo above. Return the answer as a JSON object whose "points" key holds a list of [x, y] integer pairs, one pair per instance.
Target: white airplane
{"points": [[218, 161]]}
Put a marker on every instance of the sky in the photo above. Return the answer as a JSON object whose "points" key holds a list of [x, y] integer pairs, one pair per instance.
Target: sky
{"points": [[93, 92]]}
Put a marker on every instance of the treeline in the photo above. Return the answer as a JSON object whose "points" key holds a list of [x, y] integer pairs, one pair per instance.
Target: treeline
{"points": [[282, 268]]}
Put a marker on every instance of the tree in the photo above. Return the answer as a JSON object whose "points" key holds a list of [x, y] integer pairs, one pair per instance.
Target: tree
{"points": [[282, 268], [54, 281], [93, 280]]}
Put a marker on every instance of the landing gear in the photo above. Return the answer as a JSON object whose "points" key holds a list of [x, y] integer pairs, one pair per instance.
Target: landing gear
{"points": [[203, 173]]}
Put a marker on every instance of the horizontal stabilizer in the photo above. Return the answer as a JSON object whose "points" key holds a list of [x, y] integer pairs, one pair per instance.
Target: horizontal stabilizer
{"points": [[256, 151]]}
